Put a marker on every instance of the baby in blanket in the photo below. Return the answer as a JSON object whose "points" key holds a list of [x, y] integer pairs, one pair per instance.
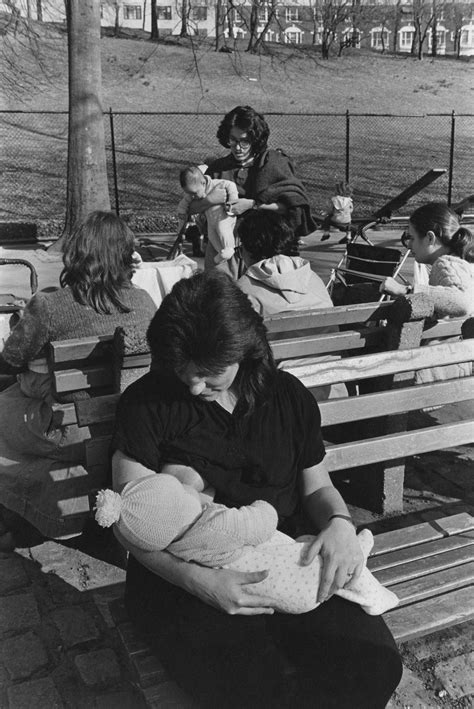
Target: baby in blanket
{"points": [[159, 512]]}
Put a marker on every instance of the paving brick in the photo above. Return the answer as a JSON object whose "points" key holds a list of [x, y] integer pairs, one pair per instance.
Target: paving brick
{"points": [[37, 694], [18, 612], [23, 655], [445, 643], [457, 675], [122, 700], [412, 693], [12, 574], [98, 668], [75, 626]]}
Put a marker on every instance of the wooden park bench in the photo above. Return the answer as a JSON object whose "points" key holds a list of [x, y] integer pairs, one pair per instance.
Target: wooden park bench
{"points": [[429, 565]]}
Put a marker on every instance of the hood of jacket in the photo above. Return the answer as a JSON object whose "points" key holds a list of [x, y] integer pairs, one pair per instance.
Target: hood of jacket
{"points": [[290, 275]]}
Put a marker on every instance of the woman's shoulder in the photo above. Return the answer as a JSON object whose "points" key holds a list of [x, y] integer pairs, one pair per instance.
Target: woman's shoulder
{"points": [[450, 270]]}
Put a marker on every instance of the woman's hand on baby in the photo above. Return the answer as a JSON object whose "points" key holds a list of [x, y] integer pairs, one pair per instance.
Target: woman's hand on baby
{"points": [[226, 590], [341, 555], [242, 205]]}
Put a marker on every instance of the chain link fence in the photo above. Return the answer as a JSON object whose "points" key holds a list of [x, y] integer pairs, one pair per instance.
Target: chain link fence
{"points": [[380, 154]]}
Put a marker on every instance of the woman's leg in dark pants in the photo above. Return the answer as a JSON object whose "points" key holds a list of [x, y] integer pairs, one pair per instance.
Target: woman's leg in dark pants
{"points": [[222, 661], [346, 659]]}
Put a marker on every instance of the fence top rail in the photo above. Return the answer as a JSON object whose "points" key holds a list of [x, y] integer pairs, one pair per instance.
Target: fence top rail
{"points": [[267, 113]]}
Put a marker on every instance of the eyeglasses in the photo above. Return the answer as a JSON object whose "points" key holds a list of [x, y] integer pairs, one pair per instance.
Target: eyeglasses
{"points": [[244, 144]]}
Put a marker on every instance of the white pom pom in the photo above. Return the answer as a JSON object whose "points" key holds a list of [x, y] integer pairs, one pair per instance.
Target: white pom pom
{"points": [[108, 505]]}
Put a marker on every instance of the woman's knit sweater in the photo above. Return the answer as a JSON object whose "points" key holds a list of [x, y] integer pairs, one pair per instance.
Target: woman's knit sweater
{"points": [[451, 285], [57, 316]]}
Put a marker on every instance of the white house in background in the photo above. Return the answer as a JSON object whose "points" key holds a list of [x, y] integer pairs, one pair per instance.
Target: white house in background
{"points": [[295, 23]]}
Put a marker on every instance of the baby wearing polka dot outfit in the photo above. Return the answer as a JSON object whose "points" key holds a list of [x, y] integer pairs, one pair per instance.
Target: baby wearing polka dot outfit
{"points": [[159, 512]]}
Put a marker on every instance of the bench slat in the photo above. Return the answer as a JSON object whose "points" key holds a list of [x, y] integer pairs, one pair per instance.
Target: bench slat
{"points": [[62, 351], [426, 566], [324, 317], [398, 445], [398, 565], [99, 410], [382, 403], [316, 373], [443, 328], [85, 378], [434, 584], [423, 532], [433, 614], [327, 342]]}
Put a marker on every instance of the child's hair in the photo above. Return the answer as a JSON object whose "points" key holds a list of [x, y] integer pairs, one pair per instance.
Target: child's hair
{"points": [[265, 234], [343, 188], [190, 174], [444, 223], [98, 261]]}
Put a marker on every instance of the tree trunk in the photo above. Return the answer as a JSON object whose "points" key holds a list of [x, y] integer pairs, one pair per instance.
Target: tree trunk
{"points": [[155, 34], [434, 37], [144, 14], [220, 25], [184, 19], [253, 26], [117, 19], [39, 10], [87, 187]]}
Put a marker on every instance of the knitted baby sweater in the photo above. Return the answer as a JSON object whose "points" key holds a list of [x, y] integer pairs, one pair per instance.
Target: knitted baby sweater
{"points": [[57, 316], [451, 285]]}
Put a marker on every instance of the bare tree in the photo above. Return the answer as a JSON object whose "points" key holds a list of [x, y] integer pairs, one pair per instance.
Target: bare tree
{"points": [[87, 187], [184, 19], [457, 12], [423, 22], [154, 34], [220, 25], [39, 10]]}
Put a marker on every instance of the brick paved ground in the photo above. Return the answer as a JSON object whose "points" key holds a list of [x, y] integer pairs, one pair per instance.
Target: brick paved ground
{"points": [[59, 644]]}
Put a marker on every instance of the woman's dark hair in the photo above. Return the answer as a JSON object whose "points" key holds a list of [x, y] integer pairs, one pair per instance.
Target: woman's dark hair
{"points": [[98, 261], [265, 234], [209, 321], [246, 119], [444, 223]]}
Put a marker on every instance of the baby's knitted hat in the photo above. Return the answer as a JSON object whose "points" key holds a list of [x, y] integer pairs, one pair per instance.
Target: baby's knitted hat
{"points": [[150, 512]]}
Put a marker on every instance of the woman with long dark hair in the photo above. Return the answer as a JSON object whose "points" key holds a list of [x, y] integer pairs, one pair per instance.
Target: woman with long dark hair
{"points": [[96, 297], [214, 401]]}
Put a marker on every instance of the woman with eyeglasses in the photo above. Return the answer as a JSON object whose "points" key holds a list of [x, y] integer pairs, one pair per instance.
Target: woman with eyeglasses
{"points": [[265, 178]]}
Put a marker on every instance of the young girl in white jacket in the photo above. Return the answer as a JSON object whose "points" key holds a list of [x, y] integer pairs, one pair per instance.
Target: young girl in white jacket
{"points": [[436, 239]]}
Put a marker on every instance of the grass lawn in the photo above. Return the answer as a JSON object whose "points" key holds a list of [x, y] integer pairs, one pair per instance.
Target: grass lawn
{"points": [[387, 153]]}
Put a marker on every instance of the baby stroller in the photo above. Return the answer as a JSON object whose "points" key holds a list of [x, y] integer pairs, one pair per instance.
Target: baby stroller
{"points": [[12, 307], [357, 276]]}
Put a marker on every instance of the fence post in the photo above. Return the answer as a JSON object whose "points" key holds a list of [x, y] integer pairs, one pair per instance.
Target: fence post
{"points": [[451, 159], [347, 144], [114, 162]]}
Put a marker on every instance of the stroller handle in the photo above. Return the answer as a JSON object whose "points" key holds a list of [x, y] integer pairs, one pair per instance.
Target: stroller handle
{"points": [[31, 268]]}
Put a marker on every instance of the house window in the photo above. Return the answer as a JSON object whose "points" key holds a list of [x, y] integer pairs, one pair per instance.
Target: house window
{"points": [[293, 37], [163, 12], [132, 12], [406, 39], [199, 14], [263, 14], [467, 37], [292, 14], [379, 39]]}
